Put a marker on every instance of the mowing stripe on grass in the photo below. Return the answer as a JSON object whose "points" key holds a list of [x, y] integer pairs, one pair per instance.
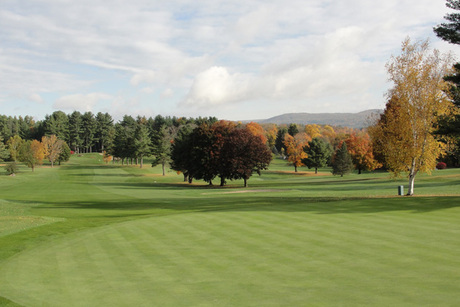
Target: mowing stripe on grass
{"points": [[292, 257]]}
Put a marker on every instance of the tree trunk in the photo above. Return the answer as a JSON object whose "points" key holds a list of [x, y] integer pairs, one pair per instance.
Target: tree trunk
{"points": [[295, 168], [412, 173], [222, 181], [185, 177], [316, 170], [190, 179], [245, 182], [142, 161], [163, 167], [410, 191]]}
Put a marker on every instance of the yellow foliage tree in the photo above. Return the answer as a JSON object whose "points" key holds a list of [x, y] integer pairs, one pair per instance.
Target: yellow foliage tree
{"points": [[32, 153], [294, 149], [313, 130], [270, 133], [14, 143], [52, 147], [403, 135]]}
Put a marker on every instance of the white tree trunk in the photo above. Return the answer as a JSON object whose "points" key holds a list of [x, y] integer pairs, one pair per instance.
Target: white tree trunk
{"points": [[412, 173]]}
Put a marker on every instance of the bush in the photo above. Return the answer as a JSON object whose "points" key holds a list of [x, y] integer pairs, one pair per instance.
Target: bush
{"points": [[11, 168], [441, 165]]}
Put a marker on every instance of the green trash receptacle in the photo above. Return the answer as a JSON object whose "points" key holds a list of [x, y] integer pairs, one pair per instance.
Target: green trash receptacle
{"points": [[401, 190]]}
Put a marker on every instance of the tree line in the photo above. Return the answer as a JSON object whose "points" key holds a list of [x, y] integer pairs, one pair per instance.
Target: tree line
{"points": [[131, 139], [418, 128]]}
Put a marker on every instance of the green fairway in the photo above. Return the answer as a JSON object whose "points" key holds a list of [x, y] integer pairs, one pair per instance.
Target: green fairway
{"points": [[90, 234]]}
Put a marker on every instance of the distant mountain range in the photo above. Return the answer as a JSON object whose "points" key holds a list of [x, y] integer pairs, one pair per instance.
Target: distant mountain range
{"points": [[353, 120]]}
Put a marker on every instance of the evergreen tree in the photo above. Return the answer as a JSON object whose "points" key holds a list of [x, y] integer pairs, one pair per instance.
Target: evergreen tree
{"points": [[279, 142], [161, 146], [449, 125], [88, 124], [142, 142], [450, 32], [104, 131], [342, 163], [319, 153], [57, 124], [26, 127], [75, 131], [293, 129], [4, 152], [123, 145]]}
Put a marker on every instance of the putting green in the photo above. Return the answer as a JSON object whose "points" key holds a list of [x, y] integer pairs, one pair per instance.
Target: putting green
{"points": [[293, 255]]}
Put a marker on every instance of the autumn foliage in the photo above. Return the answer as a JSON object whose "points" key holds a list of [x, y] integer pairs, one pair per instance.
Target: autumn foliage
{"points": [[221, 150], [404, 134], [32, 153], [360, 148], [294, 149]]}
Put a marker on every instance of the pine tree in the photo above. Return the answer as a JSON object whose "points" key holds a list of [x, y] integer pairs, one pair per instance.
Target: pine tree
{"points": [[450, 31], [142, 142], [4, 152], [342, 163], [319, 152]]}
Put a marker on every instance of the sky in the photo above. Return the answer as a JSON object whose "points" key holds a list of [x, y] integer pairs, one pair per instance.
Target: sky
{"points": [[235, 60]]}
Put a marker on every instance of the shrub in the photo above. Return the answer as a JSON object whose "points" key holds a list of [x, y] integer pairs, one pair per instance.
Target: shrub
{"points": [[441, 165], [11, 168]]}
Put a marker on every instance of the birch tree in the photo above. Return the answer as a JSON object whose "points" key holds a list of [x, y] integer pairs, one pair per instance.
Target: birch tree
{"points": [[404, 133]]}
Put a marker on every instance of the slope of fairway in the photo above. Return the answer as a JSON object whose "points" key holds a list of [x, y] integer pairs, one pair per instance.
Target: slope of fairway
{"points": [[319, 253], [124, 236]]}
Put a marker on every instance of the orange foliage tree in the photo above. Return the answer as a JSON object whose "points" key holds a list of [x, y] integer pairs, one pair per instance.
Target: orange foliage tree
{"points": [[294, 149], [360, 148], [257, 130]]}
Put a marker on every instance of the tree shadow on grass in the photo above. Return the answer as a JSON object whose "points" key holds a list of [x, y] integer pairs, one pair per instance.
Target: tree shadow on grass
{"points": [[239, 203]]}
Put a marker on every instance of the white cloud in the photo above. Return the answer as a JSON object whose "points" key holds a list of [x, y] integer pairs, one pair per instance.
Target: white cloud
{"points": [[147, 90], [143, 77], [167, 93], [80, 102], [216, 86], [36, 98], [289, 54]]}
